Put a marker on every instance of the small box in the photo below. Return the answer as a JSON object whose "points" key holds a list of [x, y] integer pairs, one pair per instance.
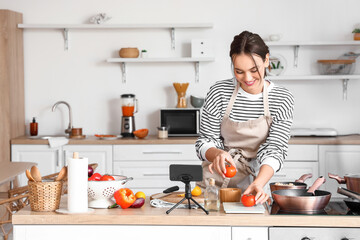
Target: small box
{"points": [[202, 48]]}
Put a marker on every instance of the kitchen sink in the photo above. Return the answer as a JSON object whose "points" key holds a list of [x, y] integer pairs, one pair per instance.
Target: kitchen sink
{"points": [[46, 136]]}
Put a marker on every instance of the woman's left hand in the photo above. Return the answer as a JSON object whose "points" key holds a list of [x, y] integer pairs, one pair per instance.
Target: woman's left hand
{"points": [[260, 195]]}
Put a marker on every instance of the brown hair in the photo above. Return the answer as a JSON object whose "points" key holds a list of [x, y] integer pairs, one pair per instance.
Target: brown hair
{"points": [[249, 43]]}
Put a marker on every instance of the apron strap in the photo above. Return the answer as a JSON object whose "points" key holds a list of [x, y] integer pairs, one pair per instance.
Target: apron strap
{"points": [[232, 99], [266, 100]]}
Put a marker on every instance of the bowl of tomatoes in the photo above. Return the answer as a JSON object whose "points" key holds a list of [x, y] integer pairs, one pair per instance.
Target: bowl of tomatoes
{"points": [[101, 189]]}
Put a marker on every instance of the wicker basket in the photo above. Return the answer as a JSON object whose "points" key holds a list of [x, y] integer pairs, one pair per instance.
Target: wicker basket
{"points": [[45, 196]]}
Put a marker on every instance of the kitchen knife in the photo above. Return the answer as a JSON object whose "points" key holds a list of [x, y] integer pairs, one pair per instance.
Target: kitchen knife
{"points": [[166, 192]]}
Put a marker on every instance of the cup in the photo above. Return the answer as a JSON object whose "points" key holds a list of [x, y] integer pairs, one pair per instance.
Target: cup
{"points": [[230, 195]]}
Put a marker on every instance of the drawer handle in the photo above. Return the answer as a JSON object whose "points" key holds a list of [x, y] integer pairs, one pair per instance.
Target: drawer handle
{"points": [[155, 174], [162, 152]]}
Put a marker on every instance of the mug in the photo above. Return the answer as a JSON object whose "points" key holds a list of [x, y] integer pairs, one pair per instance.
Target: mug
{"points": [[230, 195]]}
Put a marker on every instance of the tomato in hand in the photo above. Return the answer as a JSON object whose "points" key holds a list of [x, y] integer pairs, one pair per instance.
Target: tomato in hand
{"points": [[230, 171], [248, 200], [95, 177], [107, 178], [124, 197]]}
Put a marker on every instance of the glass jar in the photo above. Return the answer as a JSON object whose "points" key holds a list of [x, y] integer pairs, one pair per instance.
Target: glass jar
{"points": [[162, 132]]}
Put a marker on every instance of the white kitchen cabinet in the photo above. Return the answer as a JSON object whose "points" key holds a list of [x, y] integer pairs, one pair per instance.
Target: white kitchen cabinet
{"points": [[90, 232], [249, 233], [340, 160], [316, 233], [49, 160], [149, 164], [101, 154]]}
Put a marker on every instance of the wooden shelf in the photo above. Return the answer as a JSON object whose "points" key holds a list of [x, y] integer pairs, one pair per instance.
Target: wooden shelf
{"points": [[67, 27], [123, 62]]}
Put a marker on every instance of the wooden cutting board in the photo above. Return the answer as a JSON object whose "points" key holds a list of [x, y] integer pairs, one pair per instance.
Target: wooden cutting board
{"points": [[174, 198]]}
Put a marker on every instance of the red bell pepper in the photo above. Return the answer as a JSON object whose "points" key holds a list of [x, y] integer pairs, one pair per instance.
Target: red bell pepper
{"points": [[124, 197]]}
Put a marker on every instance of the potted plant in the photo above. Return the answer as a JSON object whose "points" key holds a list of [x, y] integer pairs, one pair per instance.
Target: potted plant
{"points": [[144, 53], [356, 32]]}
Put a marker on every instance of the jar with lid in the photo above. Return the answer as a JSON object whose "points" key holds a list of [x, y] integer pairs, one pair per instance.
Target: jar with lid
{"points": [[162, 132]]}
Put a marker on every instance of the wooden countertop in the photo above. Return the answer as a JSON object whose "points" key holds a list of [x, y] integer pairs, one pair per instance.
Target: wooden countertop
{"points": [[148, 215], [152, 139]]}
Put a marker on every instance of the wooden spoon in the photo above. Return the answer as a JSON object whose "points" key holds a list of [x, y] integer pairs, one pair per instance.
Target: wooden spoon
{"points": [[35, 173], [62, 174], [28, 175]]}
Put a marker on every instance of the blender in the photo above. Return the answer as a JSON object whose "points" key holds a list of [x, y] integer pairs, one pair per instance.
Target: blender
{"points": [[128, 107]]}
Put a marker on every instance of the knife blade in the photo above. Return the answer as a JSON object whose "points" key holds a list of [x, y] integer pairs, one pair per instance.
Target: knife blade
{"points": [[166, 192]]}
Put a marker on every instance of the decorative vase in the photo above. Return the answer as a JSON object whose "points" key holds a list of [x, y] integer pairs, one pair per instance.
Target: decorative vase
{"points": [[356, 36], [180, 89]]}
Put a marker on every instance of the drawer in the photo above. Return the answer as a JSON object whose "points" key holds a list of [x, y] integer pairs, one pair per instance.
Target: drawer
{"points": [[298, 152], [155, 152]]}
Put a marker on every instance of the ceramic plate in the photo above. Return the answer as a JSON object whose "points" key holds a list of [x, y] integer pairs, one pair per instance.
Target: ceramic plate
{"points": [[277, 65]]}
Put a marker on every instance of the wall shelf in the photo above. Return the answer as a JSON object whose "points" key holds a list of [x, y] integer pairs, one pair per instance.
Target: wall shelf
{"points": [[124, 61], [345, 79], [297, 44], [67, 27]]}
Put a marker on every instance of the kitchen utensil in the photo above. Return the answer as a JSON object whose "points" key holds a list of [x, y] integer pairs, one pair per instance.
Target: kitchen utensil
{"points": [[230, 195], [298, 184], [166, 192], [348, 193], [352, 181], [336, 66], [353, 205], [35, 173], [28, 175], [302, 200], [62, 174], [197, 102], [100, 193], [238, 207], [129, 52], [175, 197], [129, 106], [44, 196], [180, 89]]}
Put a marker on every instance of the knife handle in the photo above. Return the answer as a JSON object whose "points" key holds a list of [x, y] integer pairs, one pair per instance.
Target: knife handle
{"points": [[171, 189]]}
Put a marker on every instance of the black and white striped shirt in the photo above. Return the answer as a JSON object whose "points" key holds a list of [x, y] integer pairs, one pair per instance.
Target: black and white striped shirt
{"points": [[248, 106]]}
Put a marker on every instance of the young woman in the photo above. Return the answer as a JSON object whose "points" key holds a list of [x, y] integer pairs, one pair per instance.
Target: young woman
{"points": [[245, 122]]}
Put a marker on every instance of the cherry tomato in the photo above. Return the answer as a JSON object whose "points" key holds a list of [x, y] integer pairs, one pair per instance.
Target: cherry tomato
{"points": [[248, 200], [95, 177], [230, 171], [107, 178]]}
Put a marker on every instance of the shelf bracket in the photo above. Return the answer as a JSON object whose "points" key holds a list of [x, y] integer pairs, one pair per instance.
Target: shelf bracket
{"points": [[197, 72], [296, 55], [123, 69], [173, 38], [66, 38], [345, 84]]}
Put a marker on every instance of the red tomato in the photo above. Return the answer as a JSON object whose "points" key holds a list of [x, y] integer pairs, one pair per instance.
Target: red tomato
{"points": [[107, 178], [248, 200], [230, 171], [95, 177], [124, 197]]}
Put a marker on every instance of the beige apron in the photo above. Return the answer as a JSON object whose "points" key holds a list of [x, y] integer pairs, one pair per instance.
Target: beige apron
{"points": [[242, 141]]}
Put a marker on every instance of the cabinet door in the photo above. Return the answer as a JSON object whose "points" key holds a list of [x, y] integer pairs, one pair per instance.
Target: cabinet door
{"points": [[48, 159], [340, 160], [293, 170], [300, 233], [100, 154], [249, 233]]}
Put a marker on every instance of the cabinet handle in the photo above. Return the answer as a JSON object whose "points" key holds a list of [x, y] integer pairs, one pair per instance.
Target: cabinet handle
{"points": [[58, 158], [162, 152], [64, 158], [155, 174]]}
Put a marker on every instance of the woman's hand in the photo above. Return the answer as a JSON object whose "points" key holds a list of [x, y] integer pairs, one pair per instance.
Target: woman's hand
{"points": [[218, 158], [260, 195]]}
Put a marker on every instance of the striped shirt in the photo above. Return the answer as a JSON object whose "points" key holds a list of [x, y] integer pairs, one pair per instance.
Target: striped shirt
{"points": [[246, 107]]}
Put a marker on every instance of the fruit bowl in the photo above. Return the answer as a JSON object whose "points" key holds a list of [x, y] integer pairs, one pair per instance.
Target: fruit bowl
{"points": [[100, 193], [141, 133], [196, 102]]}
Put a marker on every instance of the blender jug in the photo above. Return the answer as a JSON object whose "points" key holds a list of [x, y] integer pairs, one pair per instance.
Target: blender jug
{"points": [[128, 105]]}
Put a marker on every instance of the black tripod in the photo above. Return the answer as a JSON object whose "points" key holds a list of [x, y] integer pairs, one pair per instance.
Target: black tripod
{"points": [[188, 196]]}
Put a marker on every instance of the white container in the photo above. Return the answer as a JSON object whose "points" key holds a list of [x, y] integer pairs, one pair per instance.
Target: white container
{"points": [[202, 48]]}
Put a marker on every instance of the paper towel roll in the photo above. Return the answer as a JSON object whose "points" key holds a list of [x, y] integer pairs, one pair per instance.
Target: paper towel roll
{"points": [[77, 185]]}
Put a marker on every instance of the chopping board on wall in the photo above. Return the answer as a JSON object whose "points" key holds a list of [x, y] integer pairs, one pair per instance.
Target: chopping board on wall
{"points": [[175, 198]]}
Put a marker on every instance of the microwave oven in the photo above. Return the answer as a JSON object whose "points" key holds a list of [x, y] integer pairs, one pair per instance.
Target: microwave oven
{"points": [[181, 121]]}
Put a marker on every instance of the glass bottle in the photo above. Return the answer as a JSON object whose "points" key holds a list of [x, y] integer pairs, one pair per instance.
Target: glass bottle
{"points": [[34, 127], [211, 197]]}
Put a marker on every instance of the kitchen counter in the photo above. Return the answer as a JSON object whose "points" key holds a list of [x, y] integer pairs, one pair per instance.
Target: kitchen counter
{"points": [[152, 139], [148, 215]]}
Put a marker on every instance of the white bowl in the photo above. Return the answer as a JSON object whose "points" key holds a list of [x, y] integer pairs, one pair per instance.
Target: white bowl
{"points": [[101, 193]]}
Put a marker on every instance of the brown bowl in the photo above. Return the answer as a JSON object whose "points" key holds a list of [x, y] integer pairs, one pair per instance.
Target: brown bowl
{"points": [[129, 53]]}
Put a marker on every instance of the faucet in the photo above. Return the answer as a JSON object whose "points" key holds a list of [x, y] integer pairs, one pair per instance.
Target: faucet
{"points": [[68, 130]]}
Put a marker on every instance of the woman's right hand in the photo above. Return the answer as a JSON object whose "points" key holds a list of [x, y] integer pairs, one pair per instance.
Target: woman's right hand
{"points": [[218, 157]]}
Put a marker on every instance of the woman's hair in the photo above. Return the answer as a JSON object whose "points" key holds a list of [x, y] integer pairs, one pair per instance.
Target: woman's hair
{"points": [[249, 43]]}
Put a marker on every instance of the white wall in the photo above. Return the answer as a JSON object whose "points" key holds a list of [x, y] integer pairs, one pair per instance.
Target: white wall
{"points": [[81, 76]]}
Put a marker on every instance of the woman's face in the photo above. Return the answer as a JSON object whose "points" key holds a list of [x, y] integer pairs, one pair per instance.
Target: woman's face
{"points": [[247, 73]]}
